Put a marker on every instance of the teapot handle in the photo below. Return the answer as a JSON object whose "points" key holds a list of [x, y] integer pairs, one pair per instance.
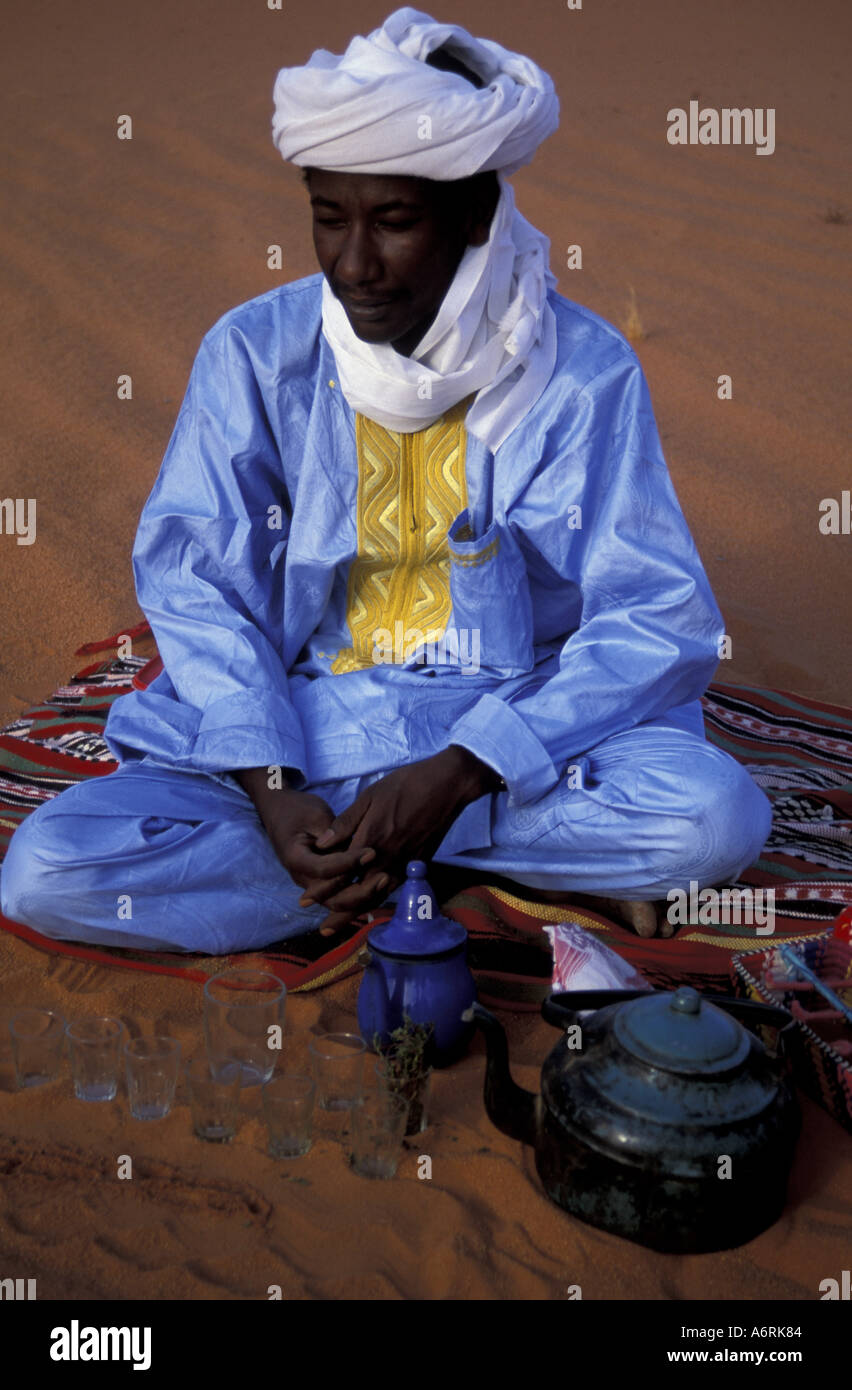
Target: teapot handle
{"points": [[752, 1011], [557, 1010]]}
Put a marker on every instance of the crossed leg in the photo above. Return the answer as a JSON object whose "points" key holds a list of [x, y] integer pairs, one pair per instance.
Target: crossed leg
{"points": [[649, 810], [156, 859]]}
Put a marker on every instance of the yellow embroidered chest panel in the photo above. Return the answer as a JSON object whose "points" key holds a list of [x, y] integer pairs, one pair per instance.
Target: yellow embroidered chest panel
{"points": [[411, 487]]}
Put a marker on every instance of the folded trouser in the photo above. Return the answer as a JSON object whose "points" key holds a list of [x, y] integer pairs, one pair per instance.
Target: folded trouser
{"points": [[156, 859]]}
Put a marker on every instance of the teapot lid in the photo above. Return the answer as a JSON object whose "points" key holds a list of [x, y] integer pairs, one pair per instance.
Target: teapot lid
{"points": [[418, 927], [681, 1032]]}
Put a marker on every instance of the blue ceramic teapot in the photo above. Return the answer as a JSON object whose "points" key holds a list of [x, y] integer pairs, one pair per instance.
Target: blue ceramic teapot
{"points": [[417, 965]]}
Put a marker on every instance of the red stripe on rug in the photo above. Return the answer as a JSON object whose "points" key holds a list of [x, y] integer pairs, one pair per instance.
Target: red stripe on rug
{"points": [[48, 757], [140, 630], [760, 696], [295, 975]]}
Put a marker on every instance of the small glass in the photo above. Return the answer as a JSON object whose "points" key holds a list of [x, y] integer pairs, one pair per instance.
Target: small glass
{"points": [[414, 1090], [213, 1100], [152, 1072], [338, 1063], [95, 1056], [38, 1037], [243, 1013], [378, 1128], [288, 1107]]}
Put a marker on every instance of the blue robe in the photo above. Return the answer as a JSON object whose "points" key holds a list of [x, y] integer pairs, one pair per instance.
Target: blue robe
{"points": [[597, 633]]}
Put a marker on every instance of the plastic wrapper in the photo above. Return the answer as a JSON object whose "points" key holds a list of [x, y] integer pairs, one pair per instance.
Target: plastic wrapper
{"points": [[580, 961]]}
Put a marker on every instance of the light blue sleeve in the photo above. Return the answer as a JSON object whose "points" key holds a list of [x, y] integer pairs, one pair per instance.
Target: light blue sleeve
{"points": [[648, 635], [209, 567]]}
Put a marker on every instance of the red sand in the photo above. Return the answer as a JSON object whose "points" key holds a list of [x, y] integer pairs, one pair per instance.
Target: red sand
{"points": [[226, 1221]]}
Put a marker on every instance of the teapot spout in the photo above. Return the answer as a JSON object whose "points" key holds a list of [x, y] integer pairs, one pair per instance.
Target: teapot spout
{"points": [[512, 1109]]}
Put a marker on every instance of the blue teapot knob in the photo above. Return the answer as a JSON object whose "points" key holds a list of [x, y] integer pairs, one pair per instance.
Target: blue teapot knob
{"points": [[416, 903], [417, 927], [687, 1000]]}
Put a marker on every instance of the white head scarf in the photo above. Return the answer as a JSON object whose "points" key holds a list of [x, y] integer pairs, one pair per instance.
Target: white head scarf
{"points": [[381, 109]]}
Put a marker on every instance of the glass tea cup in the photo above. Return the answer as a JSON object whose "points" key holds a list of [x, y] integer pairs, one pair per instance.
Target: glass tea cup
{"points": [[38, 1040], [95, 1058], [243, 1013], [152, 1072], [338, 1065], [378, 1128], [213, 1099], [414, 1090], [288, 1106]]}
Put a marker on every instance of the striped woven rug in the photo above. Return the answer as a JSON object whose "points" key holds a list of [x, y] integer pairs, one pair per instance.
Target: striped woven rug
{"points": [[798, 750]]}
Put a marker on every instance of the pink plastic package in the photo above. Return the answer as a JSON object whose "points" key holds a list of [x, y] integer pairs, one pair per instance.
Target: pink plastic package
{"points": [[582, 962]]}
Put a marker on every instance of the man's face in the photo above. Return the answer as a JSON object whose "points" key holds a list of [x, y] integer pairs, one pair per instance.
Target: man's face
{"points": [[393, 243]]}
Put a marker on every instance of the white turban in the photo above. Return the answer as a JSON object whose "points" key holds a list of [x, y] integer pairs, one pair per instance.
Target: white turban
{"points": [[364, 112], [381, 109]]}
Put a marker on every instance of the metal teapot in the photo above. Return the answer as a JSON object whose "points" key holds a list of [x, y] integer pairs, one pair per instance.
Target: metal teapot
{"points": [[416, 964], [660, 1117]]}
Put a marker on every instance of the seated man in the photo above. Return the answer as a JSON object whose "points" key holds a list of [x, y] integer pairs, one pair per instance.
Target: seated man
{"points": [[417, 572]]}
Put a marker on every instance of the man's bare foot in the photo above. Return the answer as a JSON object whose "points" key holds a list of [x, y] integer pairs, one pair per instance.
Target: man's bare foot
{"points": [[646, 918]]}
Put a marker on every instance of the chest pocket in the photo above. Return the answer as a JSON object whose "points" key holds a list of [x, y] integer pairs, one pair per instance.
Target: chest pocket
{"points": [[491, 597]]}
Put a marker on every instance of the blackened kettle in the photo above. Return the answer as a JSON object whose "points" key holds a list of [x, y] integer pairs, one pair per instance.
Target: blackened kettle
{"points": [[660, 1117]]}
